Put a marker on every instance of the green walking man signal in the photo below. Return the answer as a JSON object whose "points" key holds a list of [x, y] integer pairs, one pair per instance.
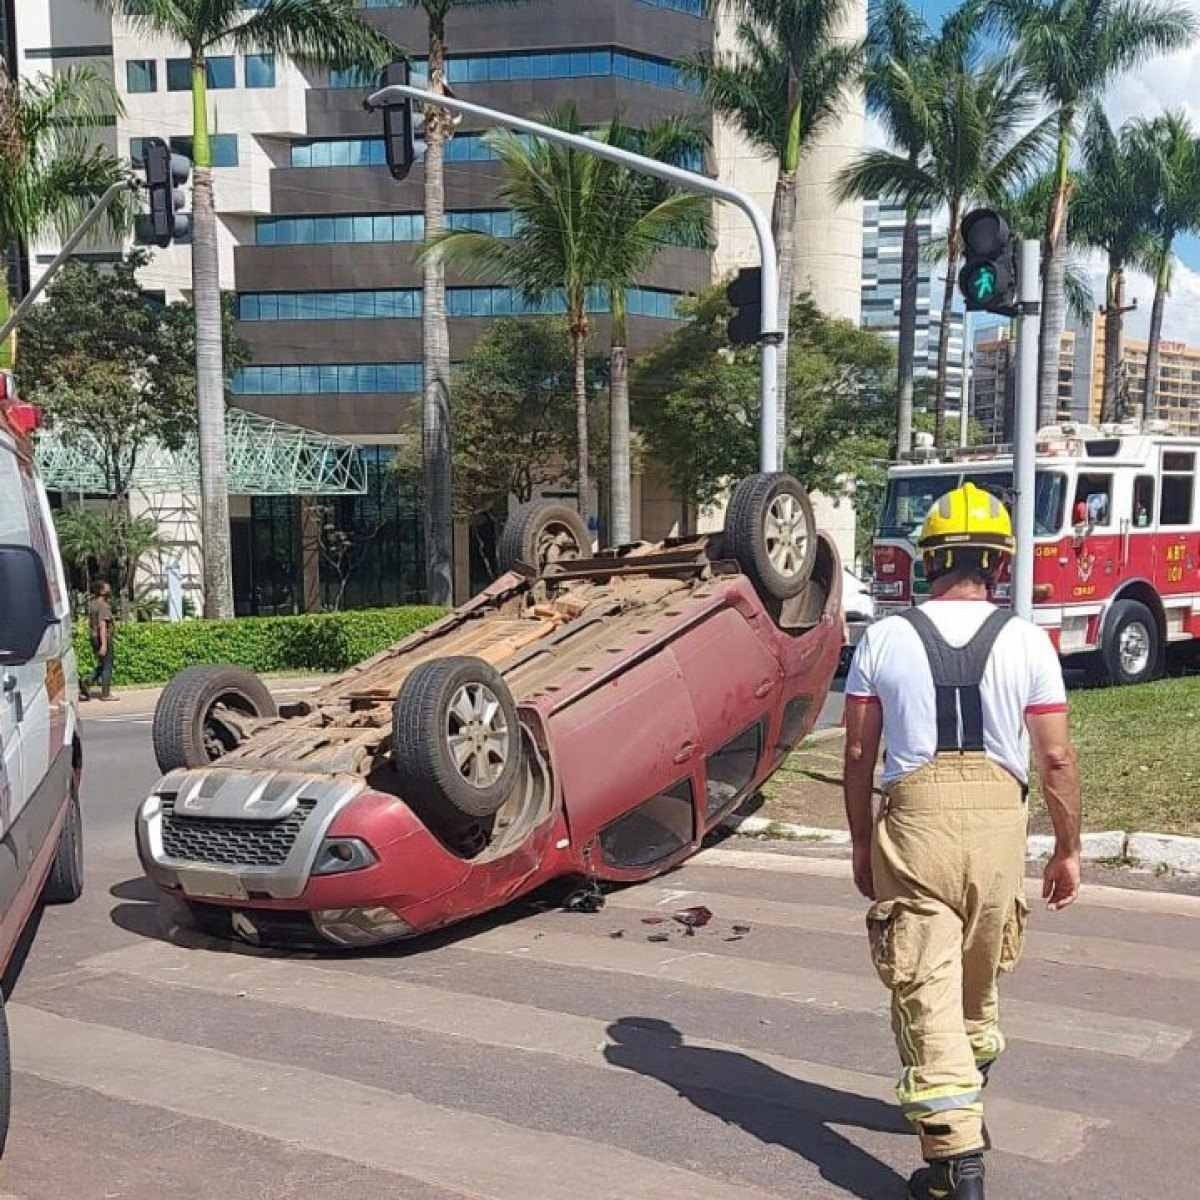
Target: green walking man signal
{"points": [[988, 280]]}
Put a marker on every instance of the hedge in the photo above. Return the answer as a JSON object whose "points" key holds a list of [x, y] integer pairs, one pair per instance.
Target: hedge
{"points": [[152, 651]]}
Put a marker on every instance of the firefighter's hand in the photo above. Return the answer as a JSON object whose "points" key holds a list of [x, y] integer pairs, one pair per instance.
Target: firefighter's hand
{"points": [[864, 880], [1060, 882]]}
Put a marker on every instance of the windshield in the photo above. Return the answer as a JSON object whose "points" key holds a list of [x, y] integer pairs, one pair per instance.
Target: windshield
{"points": [[910, 497]]}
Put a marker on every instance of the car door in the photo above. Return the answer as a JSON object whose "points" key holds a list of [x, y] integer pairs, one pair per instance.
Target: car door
{"points": [[14, 530]]}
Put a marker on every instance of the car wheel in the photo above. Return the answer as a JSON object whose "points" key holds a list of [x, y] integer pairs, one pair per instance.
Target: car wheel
{"points": [[456, 740], [64, 884], [1130, 649], [188, 727], [540, 534], [771, 531]]}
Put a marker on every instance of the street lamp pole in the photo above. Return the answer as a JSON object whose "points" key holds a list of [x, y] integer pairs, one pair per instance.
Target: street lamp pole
{"points": [[770, 335]]}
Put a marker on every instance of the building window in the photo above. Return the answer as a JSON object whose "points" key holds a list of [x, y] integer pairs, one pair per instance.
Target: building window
{"points": [[137, 155], [694, 8], [303, 379], [218, 71], [339, 152], [259, 70], [222, 148], [352, 77], [374, 227], [141, 75]]}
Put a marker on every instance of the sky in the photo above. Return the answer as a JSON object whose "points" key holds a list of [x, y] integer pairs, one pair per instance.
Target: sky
{"points": [[1169, 82]]}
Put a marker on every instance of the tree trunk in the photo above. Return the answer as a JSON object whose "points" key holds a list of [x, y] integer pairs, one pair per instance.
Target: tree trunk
{"points": [[783, 226], [943, 354], [1054, 273], [436, 447], [1162, 285], [909, 253], [210, 402], [620, 485], [1110, 404], [579, 332]]}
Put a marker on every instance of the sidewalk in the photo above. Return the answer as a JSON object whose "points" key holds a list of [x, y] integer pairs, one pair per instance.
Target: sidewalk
{"points": [[140, 701]]}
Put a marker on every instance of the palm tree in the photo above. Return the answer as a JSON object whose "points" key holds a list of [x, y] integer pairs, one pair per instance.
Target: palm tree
{"points": [[51, 171], [1073, 49], [436, 435], [645, 215], [1170, 153], [788, 80], [896, 40], [1113, 210], [313, 32], [562, 202], [972, 116]]}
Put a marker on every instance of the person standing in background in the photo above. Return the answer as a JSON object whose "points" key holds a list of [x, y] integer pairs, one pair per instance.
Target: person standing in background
{"points": [[100, 628]]}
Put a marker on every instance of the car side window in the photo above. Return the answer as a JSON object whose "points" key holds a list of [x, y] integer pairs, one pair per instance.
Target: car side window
{"points": [[730, 770], [654, 831], [791, 727], [1143, 501]]}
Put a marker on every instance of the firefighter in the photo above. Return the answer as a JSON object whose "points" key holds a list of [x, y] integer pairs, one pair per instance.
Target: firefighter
{"points": [[957, 689]]}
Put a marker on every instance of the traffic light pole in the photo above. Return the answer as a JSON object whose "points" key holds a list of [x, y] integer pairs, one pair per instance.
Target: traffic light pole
{"points": [[771, 336], [1025, 434], [68, 247]]}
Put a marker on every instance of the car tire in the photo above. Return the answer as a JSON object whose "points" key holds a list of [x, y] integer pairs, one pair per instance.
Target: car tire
{"points": [[541, 533], [456, 739], [184, 734], [1131, 648], [64, 884], [771, 531]]}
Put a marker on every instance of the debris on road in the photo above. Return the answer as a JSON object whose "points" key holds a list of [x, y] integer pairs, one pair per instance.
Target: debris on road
{"points": [[693, 918], [586, 899]]}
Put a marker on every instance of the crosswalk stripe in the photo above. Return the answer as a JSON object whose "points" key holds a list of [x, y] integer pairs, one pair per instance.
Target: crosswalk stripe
{"points": [[1109, 954], [1046, 1024], [476, 1156], [1029, 1130], [1093, 894]]}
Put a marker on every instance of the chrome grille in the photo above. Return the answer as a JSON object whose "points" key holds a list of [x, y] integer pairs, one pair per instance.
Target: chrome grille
{"points": [[231, 842]]}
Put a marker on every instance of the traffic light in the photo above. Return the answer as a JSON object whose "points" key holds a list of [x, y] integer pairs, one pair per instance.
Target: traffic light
{"points": [[745, 294], [166, 173], [398, 124], [988, 279]]}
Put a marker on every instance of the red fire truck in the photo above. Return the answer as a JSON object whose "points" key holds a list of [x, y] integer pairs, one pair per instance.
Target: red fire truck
{"points": [[1116, 571]]}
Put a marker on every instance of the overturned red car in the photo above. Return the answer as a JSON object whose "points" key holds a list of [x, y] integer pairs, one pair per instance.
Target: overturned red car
{"points": [[587, 715]]}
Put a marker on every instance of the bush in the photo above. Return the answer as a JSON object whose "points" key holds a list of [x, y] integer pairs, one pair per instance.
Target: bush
{"points": [[152, 652]]}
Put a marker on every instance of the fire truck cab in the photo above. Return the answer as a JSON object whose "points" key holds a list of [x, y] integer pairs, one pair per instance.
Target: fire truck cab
{"points": [[1116, 571]]}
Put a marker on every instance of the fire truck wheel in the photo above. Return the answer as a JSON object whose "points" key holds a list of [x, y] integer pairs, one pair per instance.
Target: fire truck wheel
{"points": [[771, 531], [1130, 647]]}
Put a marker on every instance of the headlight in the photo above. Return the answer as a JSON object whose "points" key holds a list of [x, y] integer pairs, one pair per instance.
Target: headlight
{"points": [[338, 855], [879, 588]]}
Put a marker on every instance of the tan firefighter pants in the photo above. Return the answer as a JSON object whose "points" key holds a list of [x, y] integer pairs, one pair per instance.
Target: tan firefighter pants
{"points": [[949, 862]]}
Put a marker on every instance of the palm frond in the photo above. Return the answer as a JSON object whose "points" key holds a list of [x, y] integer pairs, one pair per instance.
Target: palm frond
{"points": [[313, 32]]}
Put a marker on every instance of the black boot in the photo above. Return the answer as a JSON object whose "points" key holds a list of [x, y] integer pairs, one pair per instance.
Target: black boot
{"points": [[949, 1179]]}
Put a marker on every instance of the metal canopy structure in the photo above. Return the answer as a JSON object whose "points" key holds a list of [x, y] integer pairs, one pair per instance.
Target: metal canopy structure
{"points": [[266, 458]]}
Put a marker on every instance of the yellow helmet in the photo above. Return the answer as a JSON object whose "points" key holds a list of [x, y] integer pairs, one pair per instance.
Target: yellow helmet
{"points": [[966, 518]]}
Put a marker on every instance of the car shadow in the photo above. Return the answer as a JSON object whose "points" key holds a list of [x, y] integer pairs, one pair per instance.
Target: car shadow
{"points": [[16, 964], [771, 1106]]}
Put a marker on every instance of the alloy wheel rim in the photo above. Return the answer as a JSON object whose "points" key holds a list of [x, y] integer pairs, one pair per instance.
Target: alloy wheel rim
{"points": [[477, 734], [785, 532], [1133, 646]]}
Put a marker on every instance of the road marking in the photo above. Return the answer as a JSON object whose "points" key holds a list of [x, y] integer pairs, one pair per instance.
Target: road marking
{"points": [[478, 1156], [1030, 1021], [1029, 1130], [1108, 954], [133, 719], [1093, 894]]}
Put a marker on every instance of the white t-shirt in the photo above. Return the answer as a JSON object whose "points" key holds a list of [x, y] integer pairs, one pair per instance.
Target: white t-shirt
{"points": [[891, 668]]}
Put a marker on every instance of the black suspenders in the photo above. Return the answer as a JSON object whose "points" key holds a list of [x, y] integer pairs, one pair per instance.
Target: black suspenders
{"points": [[957, 672]]}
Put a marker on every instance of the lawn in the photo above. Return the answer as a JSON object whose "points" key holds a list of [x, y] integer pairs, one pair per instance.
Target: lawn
{"points": [[1139, 752]]}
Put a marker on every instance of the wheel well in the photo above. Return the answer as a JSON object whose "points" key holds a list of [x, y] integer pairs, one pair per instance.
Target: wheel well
{"points": [[1143, 593]]}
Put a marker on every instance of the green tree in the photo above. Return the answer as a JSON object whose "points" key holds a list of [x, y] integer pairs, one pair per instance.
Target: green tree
{"points": [[566, 241], [979, 146], [102, 544], [437, 432], [114, 370], [1073, 49], [1170, 151], [897, 40], [787, 81], [321, 33], [51, 170], [1113, 210], [697, 403]]}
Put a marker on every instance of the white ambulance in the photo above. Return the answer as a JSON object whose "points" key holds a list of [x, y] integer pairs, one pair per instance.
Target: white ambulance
{"points": [[40, 751]]}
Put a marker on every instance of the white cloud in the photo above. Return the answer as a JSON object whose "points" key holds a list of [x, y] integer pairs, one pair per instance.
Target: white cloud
{"points": [[1168, 82], [1181, 315]]}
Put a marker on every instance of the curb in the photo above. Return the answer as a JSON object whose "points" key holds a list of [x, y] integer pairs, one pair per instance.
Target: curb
{"points": [[1159, 852]]}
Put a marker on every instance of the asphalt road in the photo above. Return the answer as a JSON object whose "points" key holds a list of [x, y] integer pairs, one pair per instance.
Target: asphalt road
{"points": [[552, 1056]]}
